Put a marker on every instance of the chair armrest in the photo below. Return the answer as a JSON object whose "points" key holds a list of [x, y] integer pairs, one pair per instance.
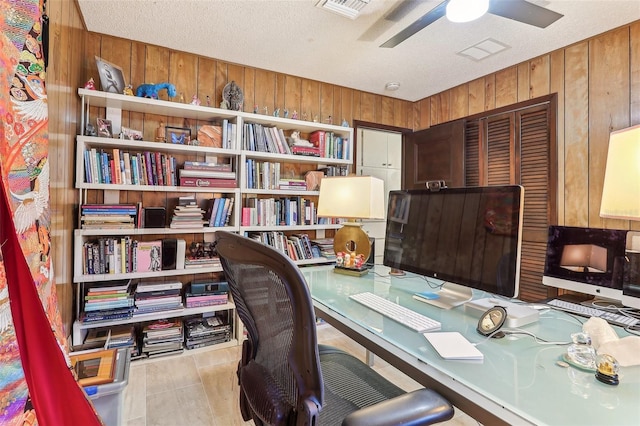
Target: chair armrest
{"points": [[420, 407], [263, 394]]}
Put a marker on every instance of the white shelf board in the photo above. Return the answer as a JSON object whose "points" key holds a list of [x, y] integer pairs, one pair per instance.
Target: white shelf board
{"points": [[286, 158], [94, 278], [150, 231], [279, 192], [124, 144], [288, 228], [156, 188]]}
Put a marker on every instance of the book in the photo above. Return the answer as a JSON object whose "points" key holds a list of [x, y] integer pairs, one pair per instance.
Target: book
{"points": [[200, 173], [148, 256], [208, 182], [157, 286]]}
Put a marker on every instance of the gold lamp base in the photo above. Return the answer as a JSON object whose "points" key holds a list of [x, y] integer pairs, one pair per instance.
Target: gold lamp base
{"points": [[353, 248]]}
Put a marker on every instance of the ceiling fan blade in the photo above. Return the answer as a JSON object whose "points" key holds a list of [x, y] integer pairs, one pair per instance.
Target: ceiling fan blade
{"points": [[399, 11], [433, 15], [525, 12]]}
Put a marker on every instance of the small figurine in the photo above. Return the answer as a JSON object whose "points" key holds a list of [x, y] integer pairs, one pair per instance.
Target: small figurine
{"points": [[208, 101], [91, 130], [315, 118], [294, 140], [128, 90], [224, 104], [294, 115], [340, 258], [151, 90], [90, 84], [266, 110], [304, 116], [195, 100], [160, 133], [329, 120], [286, 113], [276, 112], [255, 109], [345, 123], [181, 97]]}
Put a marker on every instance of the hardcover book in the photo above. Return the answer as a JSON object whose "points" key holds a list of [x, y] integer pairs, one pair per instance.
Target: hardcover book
{"points": [[148, 256]]}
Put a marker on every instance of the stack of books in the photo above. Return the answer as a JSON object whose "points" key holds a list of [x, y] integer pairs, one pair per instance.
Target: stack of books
{"points": [[109, 216], [325, 246], [206, 293], [157, 296], [187, 214], [162, 338], [195, 173], [108, 302], [292, 184], [200, 332]]}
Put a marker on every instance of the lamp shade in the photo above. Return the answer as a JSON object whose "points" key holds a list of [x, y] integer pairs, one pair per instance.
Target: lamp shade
{"points": [[621, 189], [351, 197]]}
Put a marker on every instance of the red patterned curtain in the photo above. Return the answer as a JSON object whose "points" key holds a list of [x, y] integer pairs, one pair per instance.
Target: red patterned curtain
{"points": [[36, 383]]}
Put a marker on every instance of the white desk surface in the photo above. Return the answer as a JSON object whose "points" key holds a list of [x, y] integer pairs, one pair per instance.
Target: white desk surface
{"points": [[518, 382]]}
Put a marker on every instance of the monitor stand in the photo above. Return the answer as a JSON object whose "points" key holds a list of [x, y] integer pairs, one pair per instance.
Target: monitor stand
{"points": [[449, 296]]}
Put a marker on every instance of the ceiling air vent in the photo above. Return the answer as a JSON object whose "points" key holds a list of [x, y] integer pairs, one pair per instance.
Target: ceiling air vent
{"points": [[349, 8]]}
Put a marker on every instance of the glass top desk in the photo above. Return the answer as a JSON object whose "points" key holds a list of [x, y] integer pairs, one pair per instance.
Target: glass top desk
{"points": [[518, 382]]}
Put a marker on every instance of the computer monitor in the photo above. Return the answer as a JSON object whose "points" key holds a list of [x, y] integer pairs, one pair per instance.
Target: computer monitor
{"points": [[631, 281], [586, 260], [466, 237]]}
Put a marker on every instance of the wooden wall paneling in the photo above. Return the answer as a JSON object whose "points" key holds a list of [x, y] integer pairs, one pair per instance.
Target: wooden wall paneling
{"points": [[402, 114], [425, 113], [249, 89], [576, 136], [524, 86], [609, 83], [280, 95], [326, 113], [433, 110], [506, 87], [347, 105], [136, 78], [556, 85], [490, 92], [367, 107], [183, 73], [337, 105], [222, 78], [293, 89], [539, 77], [444, 106], [206, 83], [377, 109], [459, 102], [476, 96], [357, 106], [388, 111], [310, 100]]}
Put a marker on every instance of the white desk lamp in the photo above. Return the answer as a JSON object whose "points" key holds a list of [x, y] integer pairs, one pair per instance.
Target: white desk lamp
{"points": [[621, 188], [351, 197]]}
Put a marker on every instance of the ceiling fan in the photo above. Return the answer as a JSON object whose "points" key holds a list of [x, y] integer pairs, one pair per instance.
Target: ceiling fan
{"points": [[518, 10]]}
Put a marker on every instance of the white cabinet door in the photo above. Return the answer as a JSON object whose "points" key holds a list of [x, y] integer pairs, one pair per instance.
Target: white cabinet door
{"points": [[372, 148]]}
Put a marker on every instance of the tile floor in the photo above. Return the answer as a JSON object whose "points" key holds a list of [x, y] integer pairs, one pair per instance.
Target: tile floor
{"points": [[200, 389]]}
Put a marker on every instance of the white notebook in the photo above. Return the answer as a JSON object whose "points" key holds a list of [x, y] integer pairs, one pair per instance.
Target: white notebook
{"points": [[453, 345]]}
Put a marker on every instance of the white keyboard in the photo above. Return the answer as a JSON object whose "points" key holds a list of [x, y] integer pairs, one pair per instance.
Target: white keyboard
{"points": [[404, 316], [587, 311]]}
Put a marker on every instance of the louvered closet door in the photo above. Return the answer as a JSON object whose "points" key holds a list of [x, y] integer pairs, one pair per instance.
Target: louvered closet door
{"points": [[515, 148]]}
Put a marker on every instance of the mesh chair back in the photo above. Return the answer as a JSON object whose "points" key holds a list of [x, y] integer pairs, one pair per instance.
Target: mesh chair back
{"points": [[273, 302]]}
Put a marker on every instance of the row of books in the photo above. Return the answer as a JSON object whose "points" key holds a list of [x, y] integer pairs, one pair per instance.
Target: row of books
{"points": [[206, 293], [108, 301], [297, 246], [219, 211], [266, 175], [209, 174], [157, 296], [113, 255], [330, 145], [282, 211], [256, 137], [124, 168], [110, 216], [187, 214]]}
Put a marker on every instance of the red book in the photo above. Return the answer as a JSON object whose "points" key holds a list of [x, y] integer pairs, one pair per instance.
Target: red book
{"points": [[305, 150], [208, 182]]}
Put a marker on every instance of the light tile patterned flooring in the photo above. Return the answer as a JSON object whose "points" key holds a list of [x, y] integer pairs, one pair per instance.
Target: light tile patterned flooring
{"points": [[201, 389]]}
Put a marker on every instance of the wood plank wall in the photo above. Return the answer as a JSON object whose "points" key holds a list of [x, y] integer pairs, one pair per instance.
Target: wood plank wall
{"points": [[598, 86], [597, 93]]}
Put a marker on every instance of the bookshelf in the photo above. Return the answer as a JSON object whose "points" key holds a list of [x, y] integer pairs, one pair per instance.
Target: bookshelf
{"points": [[123, 110]]}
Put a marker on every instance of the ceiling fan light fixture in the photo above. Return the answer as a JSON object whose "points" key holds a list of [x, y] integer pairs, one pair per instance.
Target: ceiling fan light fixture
{"points": [[392, 86], [466, 10]]}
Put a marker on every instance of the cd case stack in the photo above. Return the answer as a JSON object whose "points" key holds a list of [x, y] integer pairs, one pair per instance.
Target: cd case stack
{"points": [[162, 338], [200, 332]]}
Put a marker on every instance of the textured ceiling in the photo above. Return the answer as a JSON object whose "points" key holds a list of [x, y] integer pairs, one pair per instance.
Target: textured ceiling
{"points": [[295, 37]]}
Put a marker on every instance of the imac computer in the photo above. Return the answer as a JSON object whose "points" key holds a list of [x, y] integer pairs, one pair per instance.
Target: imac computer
{"points": [[586, 260], [469, 238]]}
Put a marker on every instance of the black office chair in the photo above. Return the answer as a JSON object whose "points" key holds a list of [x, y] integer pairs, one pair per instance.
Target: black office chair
{"points": [[285, 377]]}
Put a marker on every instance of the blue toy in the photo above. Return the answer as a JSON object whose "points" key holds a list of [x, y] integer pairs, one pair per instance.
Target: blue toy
{"points": [[151, 90]]}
